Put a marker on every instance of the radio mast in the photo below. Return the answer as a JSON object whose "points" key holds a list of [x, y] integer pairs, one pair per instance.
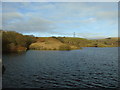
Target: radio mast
{"points": [[74, 34]]}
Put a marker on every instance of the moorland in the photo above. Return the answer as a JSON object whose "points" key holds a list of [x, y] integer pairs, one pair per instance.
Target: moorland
{"points": [[16, 42]]}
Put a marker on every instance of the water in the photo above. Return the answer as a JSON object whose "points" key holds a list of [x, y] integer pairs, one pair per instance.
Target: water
{"points": [[85, 68]]}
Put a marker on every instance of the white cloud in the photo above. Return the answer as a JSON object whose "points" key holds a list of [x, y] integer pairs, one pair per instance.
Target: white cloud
{"points": [[89, 20], [89, 35], [12, 15], [60, 0], [107, 14], [37, 19], [34, 24]]}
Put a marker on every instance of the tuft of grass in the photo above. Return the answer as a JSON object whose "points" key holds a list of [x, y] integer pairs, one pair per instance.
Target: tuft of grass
{"points": [[64, 47]]}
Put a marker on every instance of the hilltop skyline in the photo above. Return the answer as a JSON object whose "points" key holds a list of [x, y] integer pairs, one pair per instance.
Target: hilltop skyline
{"points": [[87, 20]]}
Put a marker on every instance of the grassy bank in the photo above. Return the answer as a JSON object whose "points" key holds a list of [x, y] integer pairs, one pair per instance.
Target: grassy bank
{"points": [[13, 41], [51, 43]]}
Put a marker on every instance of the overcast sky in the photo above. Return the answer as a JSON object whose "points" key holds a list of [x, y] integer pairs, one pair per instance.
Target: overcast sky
{"points": [[87, 20]]}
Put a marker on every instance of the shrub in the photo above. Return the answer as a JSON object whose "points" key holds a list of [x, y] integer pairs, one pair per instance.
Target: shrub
{"points": [[20, 48], [11, 39], [64, 47]]}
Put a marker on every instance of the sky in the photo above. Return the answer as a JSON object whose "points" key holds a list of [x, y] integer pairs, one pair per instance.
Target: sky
{"points": [[45, 19]]}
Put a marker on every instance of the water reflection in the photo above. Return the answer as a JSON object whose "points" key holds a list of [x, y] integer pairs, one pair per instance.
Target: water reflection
{"points": [[14, 54]]}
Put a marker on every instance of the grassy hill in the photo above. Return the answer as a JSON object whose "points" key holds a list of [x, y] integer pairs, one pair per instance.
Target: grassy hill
{"points": [[13, 41], [107, 42], [68, 43], [51, 43]]}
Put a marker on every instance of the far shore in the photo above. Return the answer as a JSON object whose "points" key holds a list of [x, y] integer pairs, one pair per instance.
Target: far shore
{"points": [[16, 42]]}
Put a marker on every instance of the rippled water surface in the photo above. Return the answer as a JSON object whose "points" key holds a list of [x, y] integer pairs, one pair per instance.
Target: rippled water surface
{"points": [[88, 67]]}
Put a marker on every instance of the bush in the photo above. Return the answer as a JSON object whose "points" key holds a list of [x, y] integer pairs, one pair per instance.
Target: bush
{"points": [[64, 47], [11, 40], [11, 46], [54, 49]]}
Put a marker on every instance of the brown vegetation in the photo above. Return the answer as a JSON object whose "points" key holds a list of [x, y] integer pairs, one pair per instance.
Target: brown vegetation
{"points": [[13, 41], [49, 44]]}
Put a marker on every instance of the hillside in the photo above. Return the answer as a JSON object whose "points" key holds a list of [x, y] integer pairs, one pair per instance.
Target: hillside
{"points": [[107, 42], [13, 41], [51, 43], [55, 43]]}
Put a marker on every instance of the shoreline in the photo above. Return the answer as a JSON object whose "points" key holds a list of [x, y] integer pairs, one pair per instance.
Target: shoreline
{"points": [[53, 50]]}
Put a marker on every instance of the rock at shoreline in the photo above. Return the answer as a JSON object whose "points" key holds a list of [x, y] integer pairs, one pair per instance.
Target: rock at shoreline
{"points": [[3, 69]]}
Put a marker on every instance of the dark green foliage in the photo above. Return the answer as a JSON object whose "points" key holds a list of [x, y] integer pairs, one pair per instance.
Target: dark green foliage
{"points": [[29, 40], [13, 37], [53, 37], [12, 40]]}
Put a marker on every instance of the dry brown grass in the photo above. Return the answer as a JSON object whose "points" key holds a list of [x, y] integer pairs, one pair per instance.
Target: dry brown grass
{"points": [[48, 44]]}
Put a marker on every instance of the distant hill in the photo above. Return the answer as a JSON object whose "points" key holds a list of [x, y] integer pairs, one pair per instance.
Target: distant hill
{"points": [[109, 42]]}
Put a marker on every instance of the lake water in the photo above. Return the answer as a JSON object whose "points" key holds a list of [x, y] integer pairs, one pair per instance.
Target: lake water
{"points": [[84, 68]]}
